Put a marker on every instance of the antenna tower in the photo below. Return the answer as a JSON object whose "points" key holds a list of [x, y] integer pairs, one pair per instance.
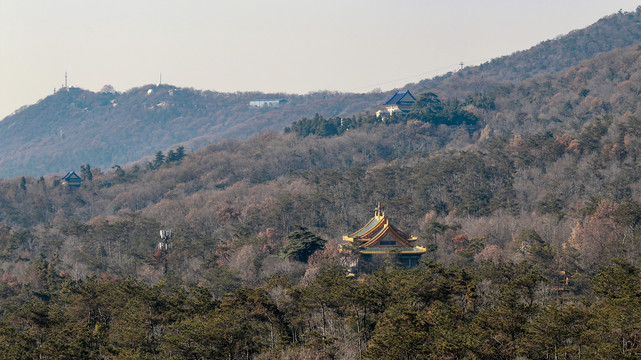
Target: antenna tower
{"points": [[66, 87], [164, 245]]}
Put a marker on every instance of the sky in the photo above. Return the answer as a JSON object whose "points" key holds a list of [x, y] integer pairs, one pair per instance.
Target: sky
{"points": [[292, 46]]}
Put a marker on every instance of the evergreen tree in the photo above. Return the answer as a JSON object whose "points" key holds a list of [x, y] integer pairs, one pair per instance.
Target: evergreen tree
{"points": [[171, 156], [175, 156], [301, 244], [85, 172], [159, 159], [180, 153]]}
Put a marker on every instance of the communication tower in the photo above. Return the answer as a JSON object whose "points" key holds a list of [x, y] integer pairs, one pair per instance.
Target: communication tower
{"points": [[164, 246], [165, 237]]}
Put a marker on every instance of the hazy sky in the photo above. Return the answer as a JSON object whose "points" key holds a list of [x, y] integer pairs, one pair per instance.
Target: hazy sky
{"points": [[294, 46]]}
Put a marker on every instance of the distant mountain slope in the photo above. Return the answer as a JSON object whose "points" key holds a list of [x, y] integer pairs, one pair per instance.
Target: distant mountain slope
{"points": [[611, 32], [75, 127]]}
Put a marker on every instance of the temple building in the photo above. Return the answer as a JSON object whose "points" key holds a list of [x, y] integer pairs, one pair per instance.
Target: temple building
{"points": [[379, 237], [401, 101], [71, 179]]}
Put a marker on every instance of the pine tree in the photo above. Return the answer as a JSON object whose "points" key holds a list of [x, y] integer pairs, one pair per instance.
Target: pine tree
{"points": [[85, 171], [301, 244], [180, 153], [159, 159]]}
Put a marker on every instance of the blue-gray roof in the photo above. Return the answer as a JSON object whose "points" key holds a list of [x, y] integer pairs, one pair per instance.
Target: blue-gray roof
{"points": [[401, 97], [71, 175]]}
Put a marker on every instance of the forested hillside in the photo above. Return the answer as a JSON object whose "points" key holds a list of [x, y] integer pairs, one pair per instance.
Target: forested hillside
{"points": [[77, 126], [526, 195], [527, 198], [612, 32]]}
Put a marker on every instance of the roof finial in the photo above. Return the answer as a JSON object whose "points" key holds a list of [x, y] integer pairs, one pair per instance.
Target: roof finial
{"points": [[378, 210]]}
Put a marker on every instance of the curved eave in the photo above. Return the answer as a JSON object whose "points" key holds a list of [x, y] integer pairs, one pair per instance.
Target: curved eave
{"points": [[371, 241], [403, 234], [389, 229], [357, 243], [373, 224], [396, 233]]}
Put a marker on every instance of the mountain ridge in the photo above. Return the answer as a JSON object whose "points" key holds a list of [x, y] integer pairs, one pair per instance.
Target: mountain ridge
{"points": [[614, 31], [75, 126]]}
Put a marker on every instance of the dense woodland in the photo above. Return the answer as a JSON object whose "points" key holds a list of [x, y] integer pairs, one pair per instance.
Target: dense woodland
{"points": [[526, 195]]}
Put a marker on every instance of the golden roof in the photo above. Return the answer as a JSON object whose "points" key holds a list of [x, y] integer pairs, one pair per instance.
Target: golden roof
{"points": [[379, 236]]}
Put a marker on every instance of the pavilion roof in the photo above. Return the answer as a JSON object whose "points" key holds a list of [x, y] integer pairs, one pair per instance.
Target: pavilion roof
{"points": [[368, 238], [401, 97], [71, 175]]}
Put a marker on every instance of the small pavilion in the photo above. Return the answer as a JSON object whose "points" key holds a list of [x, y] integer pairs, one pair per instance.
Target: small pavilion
{"points": [[71, 179], [401, 101], [380, 237]]}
